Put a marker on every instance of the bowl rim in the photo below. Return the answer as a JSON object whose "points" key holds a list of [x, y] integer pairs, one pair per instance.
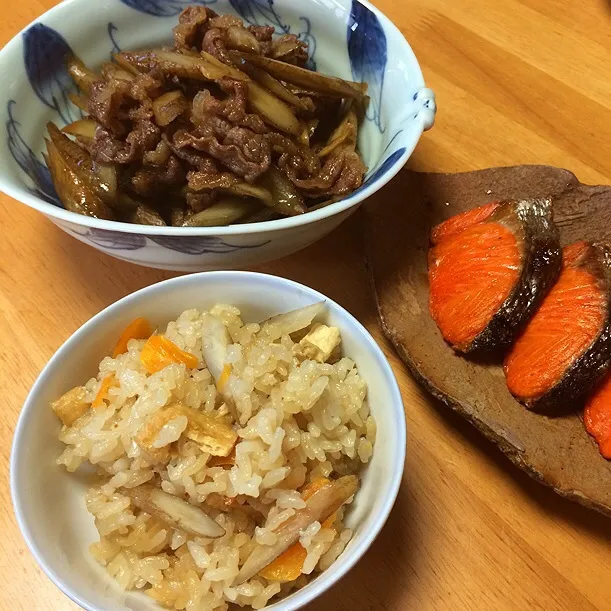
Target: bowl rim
{"points": [[327, 579], [22, 195]]}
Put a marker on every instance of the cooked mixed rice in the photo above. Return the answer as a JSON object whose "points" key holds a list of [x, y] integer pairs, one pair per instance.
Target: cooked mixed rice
{"points": [[252, 428]]}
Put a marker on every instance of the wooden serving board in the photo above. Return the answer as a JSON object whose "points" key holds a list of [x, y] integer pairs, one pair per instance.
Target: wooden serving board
{"points": [[556, 451]]}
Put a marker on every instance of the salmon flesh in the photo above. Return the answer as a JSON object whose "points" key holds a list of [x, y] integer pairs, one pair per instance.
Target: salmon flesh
{"points": [[489, 269], [566, 346]]}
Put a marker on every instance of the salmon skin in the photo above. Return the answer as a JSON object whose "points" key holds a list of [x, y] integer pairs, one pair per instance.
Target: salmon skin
{"points": [[566, 346], [489, 269]]}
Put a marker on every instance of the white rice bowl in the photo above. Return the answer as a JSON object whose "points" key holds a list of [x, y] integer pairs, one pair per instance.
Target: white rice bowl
{"points": [[297, 419]]}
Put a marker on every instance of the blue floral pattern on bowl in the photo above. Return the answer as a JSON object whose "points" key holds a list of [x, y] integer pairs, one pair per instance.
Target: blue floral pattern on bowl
{"points": [[26, 159], [200, 245], [44, 54], [188, 245], [368, 56]]}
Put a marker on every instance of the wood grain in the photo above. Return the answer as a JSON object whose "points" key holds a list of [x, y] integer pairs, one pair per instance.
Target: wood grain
{"points": [[525, 81]]}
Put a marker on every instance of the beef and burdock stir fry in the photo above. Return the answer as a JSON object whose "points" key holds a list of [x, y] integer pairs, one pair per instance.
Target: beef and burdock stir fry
{"points": [[227, 126]]}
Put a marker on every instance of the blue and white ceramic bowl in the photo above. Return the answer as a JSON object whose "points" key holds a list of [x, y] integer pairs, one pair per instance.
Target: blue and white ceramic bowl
{"points": [[347, 38]]}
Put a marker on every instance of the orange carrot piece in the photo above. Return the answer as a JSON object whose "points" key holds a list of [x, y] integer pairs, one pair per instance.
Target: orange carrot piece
{"points": [[140, 328], [597, 417], [159, 352], [102, 394], [314, 486], [456, 224], [224, 378], [288, 566]]}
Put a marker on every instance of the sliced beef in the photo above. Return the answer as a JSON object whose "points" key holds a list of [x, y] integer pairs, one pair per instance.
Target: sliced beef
{"points": [[145, 136], [150, 180], [288, 48], [242, 151], [123, 110], [342, 173], [232, 107], [193, 23], [214, 43]]}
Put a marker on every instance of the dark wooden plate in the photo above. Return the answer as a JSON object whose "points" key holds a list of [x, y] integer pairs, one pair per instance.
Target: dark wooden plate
{"points": [[556, 451]]}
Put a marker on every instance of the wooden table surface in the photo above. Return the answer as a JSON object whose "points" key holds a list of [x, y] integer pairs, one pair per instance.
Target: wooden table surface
{"points": [[518, 81]]}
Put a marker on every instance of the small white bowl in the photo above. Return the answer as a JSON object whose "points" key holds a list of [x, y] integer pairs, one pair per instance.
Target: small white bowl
{"points": [[49, 502], [347, 38]]}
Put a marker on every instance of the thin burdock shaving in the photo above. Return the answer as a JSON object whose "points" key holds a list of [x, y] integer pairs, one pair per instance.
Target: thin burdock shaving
{"points": [[286, 199], [106, 175], [201, 181], [169, 106], [269, 82], [111, 70], [223, 212], [291, 322], [272, 109], [145, 215], [69, 149], [124, 64], [73, 185], [344, 134], [320, 506], [80, 101], [174, 511], [215, 342], [85, 128], [82, 76], [289, 565], [309, 129], [329, 85], [89, 187], [242, 39], [202, 67]]}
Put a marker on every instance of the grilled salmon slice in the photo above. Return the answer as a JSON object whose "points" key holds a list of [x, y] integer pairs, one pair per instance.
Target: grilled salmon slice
{"points": [[565, 348], [489, 268], [597, 417]]}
